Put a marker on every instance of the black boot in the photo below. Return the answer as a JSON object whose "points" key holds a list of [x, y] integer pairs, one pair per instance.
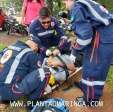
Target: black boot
{"points": [[81, 101], [78, 85]]}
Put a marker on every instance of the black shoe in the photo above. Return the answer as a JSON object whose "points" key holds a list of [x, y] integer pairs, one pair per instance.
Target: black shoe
{"points": [[78, 85], [5, 102], [81, 101], [29, 108]]}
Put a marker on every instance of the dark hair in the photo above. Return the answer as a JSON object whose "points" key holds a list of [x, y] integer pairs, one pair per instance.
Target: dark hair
{"points": [[32, 0], [44, 12]]}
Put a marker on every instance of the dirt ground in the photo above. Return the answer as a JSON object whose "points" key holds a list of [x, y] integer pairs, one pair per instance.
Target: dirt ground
{"points": [[9, 39], [69, 95]]}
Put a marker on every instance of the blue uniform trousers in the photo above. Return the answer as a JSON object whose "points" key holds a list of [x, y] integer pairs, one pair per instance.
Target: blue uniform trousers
{"points": [[95, 71], [32, 86]]}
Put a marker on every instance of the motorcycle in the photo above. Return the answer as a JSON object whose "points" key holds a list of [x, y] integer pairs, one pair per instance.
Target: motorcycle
{"points": [[13, 26]]}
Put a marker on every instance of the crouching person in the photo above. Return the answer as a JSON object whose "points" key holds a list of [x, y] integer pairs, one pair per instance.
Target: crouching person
{"points": [[32, 86], [18, 71]]}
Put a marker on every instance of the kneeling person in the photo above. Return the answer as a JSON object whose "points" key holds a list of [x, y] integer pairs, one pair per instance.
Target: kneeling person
{"points": [[16, 62]]}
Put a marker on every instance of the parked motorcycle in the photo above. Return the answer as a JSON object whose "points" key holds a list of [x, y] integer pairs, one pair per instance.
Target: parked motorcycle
{"points": [[13, 26]]}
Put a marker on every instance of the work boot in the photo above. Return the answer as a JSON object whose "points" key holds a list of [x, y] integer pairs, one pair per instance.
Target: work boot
{"points": [[81, 101], [78, 85]]}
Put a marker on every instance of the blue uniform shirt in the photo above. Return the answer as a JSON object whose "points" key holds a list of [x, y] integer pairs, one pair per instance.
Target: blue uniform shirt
{"points": [[89, 17], [18, 60], [47, 37]]}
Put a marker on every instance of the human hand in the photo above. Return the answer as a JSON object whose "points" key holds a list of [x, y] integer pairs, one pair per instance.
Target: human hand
{"points": [[48, 52], [56, 52]]}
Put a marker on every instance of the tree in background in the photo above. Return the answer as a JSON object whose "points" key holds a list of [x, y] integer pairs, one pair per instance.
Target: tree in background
{"points": [[16, 3], [56, 5]]}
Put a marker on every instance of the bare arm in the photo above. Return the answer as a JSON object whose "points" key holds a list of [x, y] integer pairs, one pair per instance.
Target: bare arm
{"points": [[24, 10]]}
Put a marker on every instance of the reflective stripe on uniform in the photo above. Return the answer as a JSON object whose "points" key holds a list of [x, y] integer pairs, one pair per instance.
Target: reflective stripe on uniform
{"points": [[72, 58], [83, 42], [94, 12], [93, 83], [15, 48], [15, 65], [46, 32], [41, 73], [64, 37]]}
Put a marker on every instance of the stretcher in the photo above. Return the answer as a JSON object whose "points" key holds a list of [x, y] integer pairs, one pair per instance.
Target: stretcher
{"points": [[73, 77]]}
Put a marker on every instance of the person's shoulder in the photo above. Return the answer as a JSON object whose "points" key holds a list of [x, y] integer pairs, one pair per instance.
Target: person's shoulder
{"points": [[54, 18], [78, 7], [35, 21], [34, 24], [20, 46], [19, 43], [33, 55]]}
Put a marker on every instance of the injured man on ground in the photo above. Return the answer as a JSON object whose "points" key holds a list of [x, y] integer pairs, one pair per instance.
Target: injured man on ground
{"points": [[61, 67]]}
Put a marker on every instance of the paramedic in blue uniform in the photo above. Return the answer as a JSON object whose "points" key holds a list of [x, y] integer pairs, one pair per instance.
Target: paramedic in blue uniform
{"points": [[18, 72], [93, 25], [49, 32]]}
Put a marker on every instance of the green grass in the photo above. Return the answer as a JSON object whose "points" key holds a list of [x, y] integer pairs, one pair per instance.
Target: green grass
{"points": [[2, 46], [110, 78]]}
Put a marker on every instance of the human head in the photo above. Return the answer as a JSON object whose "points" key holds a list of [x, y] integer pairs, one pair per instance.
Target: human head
{"points": [[68, 3], [45, 17]]}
